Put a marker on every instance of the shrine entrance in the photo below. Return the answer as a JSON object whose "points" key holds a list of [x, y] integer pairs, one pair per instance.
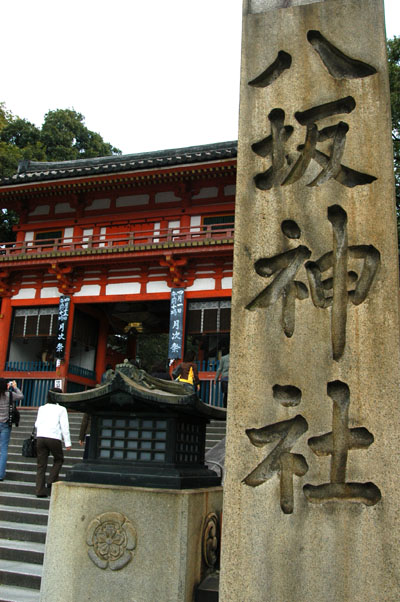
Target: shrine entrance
{"points": [[106, 333], [138, 331]]}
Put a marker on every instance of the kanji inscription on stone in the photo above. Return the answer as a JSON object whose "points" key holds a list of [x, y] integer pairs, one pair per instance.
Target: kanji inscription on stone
{"points": [[332, 292], [337, 444], [282, 172], [280, 460]]}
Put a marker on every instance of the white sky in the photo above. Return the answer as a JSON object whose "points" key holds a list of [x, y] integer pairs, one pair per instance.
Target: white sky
{"points": [[146, 74]]}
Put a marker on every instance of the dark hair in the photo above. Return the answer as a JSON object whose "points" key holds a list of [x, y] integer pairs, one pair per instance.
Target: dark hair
{"points": [[53, 390], [3, 385], [108, 367], [189, 356]]}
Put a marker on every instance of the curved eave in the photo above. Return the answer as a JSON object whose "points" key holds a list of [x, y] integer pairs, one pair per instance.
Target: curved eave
{"points": [[132, 179], [164, 395]]}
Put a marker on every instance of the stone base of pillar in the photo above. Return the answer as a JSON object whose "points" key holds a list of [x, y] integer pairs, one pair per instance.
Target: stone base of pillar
{"points": [[122, 543]]}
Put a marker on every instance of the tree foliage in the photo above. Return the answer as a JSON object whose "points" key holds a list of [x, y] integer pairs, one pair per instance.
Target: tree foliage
{"points": [[393, 48], [63, 136]]}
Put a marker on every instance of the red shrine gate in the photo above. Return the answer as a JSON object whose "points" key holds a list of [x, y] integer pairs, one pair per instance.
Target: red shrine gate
{"points": [[115, 245]]}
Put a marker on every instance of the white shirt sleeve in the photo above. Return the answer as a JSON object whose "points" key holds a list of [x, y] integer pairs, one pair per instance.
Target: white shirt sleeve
{"points": [[65, 427]]}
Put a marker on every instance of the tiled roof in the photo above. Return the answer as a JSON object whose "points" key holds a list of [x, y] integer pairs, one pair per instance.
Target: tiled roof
{"points": [[37, 171]]}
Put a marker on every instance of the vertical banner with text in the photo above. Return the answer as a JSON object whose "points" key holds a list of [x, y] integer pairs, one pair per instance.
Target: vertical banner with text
{"points": [[175, 343], [63, 314]]}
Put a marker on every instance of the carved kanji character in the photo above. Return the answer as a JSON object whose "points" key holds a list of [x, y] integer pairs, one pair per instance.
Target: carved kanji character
{"points": [[334, 291], [282, 173], [337, 444], [280, 460], [338, 64], [286, 265]]}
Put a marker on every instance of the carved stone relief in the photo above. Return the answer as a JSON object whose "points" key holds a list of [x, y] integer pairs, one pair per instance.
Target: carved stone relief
{"points": [[211, 540], [111, 537]]}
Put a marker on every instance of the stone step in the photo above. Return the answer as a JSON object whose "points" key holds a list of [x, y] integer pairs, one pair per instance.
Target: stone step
{"points": [[22, 531], [9, 593], [18, 487], [20, 514], [215, 436], [23, 500], [28, 475], [16, 460], [24, 516], [22, 574], [213, 441], [23, 551], [20, 435], [216, 433]]}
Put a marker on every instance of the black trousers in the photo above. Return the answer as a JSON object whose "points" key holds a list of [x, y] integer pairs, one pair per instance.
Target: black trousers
{"points": [[224, 389], [46, 446]]}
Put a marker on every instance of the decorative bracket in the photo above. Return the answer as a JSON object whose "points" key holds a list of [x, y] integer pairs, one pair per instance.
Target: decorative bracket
{"points": [[68, 281], [8, 287], [23, 211], [176, 267], [79, 202]]}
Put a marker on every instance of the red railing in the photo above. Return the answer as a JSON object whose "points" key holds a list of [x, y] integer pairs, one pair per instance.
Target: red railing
{"points": [[125, 239]]}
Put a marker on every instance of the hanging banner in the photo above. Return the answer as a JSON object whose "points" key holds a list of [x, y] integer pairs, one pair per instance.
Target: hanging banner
{"points": [[63, 314], [176, 324]]}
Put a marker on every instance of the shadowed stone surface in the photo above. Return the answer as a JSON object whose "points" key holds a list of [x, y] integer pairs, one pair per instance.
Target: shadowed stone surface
{"points": [[311, 490], [148, 546]]}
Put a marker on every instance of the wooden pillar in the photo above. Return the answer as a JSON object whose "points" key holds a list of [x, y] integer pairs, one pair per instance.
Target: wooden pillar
{"points": [[5, 323], [131, 346], [101, 349]]}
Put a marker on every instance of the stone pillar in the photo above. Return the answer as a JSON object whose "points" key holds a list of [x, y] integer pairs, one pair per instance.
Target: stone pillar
{"points": [[108, 542], [312, 491]]}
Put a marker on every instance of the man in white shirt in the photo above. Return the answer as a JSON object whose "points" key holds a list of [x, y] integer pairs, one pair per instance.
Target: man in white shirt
{"points": [[51, 427]]}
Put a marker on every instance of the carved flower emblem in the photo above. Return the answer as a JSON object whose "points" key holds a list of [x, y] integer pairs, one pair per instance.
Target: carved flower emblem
{"points": [[211, 540], [110, 538]]}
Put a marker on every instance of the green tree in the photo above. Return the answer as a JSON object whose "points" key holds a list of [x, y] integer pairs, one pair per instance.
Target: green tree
{"points": [[4, 115], [7, 220], [63, 136], [393, 48]]}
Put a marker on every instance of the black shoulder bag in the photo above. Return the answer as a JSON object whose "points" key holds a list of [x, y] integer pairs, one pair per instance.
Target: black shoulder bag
{"points": [[14, 416], [29, 446]]}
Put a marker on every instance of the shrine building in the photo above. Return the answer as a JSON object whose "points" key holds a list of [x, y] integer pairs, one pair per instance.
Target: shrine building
{"points": [[126, 256]]}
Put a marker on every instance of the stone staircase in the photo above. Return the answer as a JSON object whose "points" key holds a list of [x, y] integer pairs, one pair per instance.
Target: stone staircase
{"points": [[215, 432], [23, 516]]}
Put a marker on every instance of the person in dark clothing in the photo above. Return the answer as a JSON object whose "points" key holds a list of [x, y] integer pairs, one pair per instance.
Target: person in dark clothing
{"points": [[5, 420], [186, 372], [107, 374], [51, 426], [84, 434], [223, 374]]}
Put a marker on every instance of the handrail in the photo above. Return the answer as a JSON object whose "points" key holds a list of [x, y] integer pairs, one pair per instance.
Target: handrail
{"points": [[131, 239], [29, 366]]}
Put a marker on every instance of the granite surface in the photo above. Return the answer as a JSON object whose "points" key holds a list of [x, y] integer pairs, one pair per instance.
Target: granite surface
{"points": [[311, 492], [161, 530]]}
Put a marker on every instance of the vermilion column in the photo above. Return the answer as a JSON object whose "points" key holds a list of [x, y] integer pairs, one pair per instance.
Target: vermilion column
{"points": [[101, 350], [5, 323]]}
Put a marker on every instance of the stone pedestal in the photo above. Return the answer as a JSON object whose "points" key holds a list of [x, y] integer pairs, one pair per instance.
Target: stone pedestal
{"points": [[311, 492], [122, 543]]}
